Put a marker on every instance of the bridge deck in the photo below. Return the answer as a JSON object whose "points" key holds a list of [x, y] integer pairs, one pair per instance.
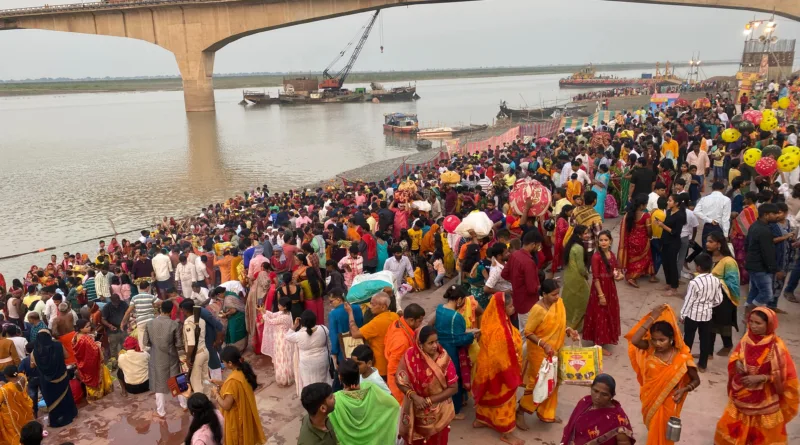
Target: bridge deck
{"points": [[100, 6]]}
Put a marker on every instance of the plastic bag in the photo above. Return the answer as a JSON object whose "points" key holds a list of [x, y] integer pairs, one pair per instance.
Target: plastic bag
{"points": [[546, 383], [423, 206], [579, 365], [477, 221], [364, 286]]}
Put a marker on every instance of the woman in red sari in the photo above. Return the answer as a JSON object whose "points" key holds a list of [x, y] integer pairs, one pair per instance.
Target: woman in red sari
{"points": [[762, 387], [634, 242], [91, 370], [562, 225], [427, 376], [598, 418], [739, 228], [602, 323]]}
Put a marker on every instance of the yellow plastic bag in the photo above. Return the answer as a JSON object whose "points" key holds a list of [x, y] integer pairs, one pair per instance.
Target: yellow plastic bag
{"points": [[578, 365]]}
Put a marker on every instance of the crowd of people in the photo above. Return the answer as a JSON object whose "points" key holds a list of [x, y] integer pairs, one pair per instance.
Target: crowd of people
{"points": [[270, 273]]}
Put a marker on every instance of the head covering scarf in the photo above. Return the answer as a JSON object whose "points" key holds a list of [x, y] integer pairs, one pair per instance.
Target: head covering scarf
{"points": [[131, 343], [49, 356]]}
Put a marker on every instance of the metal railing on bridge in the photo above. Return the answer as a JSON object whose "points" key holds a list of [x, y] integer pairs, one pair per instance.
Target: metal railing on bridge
{"points": [[97, 6]]}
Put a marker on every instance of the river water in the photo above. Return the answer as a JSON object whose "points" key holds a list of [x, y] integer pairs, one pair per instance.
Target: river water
{"points": [[75, 163]]}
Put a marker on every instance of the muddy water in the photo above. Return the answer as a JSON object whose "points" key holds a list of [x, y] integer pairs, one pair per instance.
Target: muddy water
{"points": [[73, 165]]}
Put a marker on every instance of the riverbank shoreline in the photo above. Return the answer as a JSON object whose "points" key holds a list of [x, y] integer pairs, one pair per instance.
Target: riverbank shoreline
{"points": [[222, 82]]}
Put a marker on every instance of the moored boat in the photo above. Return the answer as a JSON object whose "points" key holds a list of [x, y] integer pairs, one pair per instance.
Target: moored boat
{"points": [[400, 123], [399, 94]]}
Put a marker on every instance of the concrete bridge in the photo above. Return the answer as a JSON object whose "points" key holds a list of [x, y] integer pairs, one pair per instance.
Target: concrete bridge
{"points": [[194, 30]]}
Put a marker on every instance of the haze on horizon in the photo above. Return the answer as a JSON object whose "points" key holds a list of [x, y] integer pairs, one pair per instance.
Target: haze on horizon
{"points": [[487, 33]]}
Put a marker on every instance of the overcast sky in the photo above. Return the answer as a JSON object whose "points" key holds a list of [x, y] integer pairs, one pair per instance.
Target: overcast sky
{"points": [[455, 35]]}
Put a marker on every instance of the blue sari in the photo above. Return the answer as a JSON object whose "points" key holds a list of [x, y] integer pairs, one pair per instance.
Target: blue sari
{"points": [[451, 329], [600, 205], [383, 254]]}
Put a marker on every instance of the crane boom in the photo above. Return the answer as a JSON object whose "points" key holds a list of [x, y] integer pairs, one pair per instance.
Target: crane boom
{"points": [[330, 82]]}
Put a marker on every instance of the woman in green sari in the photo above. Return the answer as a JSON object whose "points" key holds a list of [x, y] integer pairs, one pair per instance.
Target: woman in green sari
{"points": [[723, 317], [364, 412], [233, 309], [575, 292], [625, 182]]}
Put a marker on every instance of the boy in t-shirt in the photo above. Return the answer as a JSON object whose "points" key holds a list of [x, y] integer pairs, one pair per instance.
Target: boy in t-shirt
{"points": [[694, 187], [718, 155], [415, 233], [658, 214], [702, 295], [364, 357]]}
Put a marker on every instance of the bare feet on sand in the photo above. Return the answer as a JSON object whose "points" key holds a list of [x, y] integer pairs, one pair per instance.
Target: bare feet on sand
{"points": [[511, 439]]}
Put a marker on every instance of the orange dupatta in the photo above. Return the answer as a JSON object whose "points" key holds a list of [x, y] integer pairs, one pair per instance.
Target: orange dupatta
{"points": [[428, 243], [657, 379], [498, 370], [426, 376]]}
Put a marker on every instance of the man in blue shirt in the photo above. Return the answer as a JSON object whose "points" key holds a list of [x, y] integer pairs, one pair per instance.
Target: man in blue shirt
{"points": [[338, 323]]}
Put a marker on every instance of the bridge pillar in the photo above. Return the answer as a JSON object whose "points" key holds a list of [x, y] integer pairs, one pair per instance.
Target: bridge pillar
{"points": [[197, 71]]}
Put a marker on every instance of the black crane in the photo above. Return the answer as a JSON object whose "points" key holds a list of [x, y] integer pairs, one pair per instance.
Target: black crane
{"points": [[334, 82]]}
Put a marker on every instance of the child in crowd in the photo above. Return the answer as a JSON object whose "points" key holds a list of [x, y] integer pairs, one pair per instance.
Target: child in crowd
{"points": [[660, 214], [365, 358], [415, 235], [438, 265], [694, 188], [702, 295]]}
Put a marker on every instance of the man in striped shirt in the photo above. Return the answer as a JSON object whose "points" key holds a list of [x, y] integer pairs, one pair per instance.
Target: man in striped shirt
{"points": [[90, 287], [143, 306], [703, 294]]}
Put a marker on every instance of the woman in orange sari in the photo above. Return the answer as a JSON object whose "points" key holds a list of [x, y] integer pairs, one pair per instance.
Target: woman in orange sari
{"points": [[664, 368], [498, 370], [739, 228], [427, 377], [762, 386], [428, 244], [91, 369], [545, 331], [633, 254], [16, 407]]}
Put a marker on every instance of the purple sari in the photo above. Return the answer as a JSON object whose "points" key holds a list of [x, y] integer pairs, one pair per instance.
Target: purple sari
{"points": [[589, 426]]}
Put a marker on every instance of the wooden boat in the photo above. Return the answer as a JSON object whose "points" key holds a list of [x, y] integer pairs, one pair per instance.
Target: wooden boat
{"points": [[400, 123], [438, 132], [469, 129], [258, 98], [537, 114]]}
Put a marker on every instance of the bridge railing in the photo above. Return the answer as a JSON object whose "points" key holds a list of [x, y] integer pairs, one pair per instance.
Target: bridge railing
{"points": [[94, 6]]}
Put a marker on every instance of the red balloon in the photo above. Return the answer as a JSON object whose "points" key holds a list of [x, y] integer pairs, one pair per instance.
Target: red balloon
{"points": [[766, 166], [450, 223], [753, 116]]}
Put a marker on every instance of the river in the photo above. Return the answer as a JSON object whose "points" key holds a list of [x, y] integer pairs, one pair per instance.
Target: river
{"points": [[75, 163]]}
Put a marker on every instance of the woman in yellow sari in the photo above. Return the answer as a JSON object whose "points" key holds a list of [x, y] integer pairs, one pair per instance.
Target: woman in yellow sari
{"points": [[664, 368], [545, 331], [449, 256], [762, 387], [498, 370], [237, 401], [16, 407]]}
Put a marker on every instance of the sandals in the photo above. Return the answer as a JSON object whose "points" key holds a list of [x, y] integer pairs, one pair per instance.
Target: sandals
{"points": [[633, 283]]}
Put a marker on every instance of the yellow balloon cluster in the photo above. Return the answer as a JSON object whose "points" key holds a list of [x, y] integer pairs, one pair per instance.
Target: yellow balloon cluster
{"points": [[791, 149], [751, 156], [767, 114], [788, 161], [783, 103], [767, 124], [731, 135]]}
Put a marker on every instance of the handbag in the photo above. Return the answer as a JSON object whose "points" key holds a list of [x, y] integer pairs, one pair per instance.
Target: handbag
{"points": [[546, 382], [347, 343], [331, 367]]}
